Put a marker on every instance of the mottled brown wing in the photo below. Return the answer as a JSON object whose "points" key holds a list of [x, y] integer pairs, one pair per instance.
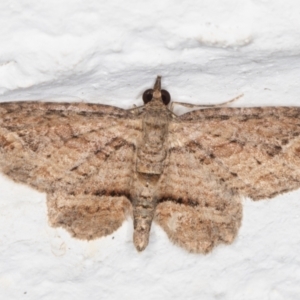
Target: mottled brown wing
{"points": [[81, 155], [257, 150], [218, 155], [196, 209]]}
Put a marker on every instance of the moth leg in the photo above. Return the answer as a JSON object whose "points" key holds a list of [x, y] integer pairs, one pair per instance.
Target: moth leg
{"points": [[199, 229], [189, 105], [86, 216]]}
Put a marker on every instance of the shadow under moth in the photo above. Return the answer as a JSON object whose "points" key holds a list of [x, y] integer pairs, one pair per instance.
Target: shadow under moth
{"points": [[99, 163]]}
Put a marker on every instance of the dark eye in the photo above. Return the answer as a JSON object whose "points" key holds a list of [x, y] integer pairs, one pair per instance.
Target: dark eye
{"points": [[166, 97], [147, 96]]}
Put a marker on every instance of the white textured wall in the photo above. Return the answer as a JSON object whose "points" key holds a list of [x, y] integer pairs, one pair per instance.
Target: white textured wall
{"points": [[100, 51]]}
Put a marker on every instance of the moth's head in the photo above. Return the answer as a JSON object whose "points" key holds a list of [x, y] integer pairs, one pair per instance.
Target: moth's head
{"points": [[157, 94]]}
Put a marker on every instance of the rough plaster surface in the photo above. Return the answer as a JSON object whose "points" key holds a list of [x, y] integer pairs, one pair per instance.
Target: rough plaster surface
{"points": [[108, 52]]}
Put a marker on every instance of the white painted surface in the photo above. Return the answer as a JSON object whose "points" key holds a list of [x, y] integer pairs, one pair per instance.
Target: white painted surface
{"points": [[207, 51]]}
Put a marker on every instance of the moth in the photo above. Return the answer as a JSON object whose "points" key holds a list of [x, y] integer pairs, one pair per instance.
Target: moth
{"points": [[99, 163]]}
